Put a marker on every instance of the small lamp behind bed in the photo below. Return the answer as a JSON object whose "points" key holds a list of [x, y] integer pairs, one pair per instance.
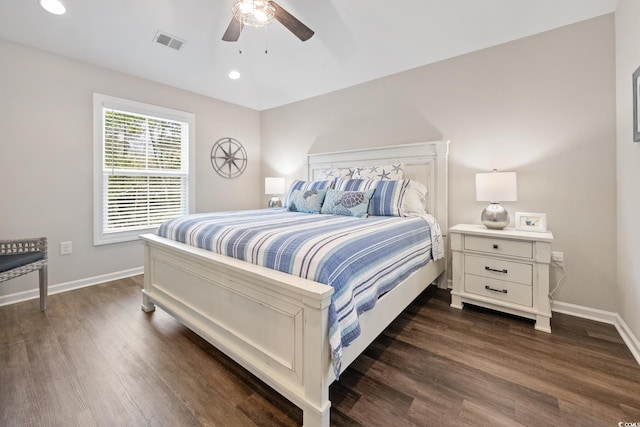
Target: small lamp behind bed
{"points": [[274, 186]]}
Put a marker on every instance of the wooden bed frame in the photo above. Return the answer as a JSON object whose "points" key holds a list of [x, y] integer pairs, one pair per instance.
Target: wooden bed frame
{"points": [[275, 324]]}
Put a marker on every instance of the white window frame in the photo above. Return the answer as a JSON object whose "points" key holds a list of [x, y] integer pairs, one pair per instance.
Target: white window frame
{"points": [[100, 101]]}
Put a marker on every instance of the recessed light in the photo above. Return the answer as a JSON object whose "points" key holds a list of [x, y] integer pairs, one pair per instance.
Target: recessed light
{"points": [[53, 6], [234, 75]]}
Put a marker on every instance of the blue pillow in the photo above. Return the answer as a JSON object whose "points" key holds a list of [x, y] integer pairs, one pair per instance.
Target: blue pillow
{"points": [[299, 184], [352, 203], [388, 197], [309, 201]]}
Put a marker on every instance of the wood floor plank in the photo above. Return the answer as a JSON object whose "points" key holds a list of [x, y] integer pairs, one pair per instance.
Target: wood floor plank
{"points": [[166, 378], [16, 401], [505, 360], [476, 414], [95, 359]]}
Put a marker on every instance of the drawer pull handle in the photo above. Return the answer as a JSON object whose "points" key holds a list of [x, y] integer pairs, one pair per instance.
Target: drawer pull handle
{"points": [[495, 246], [504, 270], [489, 288]]}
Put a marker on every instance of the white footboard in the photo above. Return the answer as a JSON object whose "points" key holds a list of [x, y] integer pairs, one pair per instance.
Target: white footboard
{"points": [[273, 324]]}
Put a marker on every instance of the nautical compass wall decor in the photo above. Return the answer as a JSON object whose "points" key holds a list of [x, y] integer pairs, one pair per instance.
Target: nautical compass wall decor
{"points": [[228, 157]]}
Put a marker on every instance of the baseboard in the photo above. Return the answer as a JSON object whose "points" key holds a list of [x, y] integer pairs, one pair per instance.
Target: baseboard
{"points": [[69, 286], [628, 337], [584, 312], [605, 317]]}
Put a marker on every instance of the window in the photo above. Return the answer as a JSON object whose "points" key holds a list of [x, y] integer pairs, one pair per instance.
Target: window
{"points": [[142, 176]]}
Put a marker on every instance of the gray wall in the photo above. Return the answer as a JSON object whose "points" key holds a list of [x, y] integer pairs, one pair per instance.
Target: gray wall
{"points": [[627, 60], [46, 157], [543, 106]]}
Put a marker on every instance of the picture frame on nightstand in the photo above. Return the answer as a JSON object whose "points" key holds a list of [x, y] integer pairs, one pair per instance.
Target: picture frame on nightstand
{"points": [[530, 221]]}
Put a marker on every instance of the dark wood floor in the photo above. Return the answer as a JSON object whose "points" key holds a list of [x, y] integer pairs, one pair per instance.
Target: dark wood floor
{"points": [[94, 358]]}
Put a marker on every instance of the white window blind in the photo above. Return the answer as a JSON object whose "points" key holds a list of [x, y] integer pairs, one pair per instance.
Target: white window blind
{"points": [[143, 166]]}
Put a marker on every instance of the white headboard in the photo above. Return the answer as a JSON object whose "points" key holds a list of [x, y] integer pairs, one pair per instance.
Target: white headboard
{"points": [[424, 161]]}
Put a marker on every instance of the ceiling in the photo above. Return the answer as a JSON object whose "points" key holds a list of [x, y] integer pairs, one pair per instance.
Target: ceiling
{"points": [[355, 40]]}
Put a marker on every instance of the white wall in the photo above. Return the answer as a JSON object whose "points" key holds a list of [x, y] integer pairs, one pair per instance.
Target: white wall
{"points": [[543, 106], [628, 168], [46, 157]]}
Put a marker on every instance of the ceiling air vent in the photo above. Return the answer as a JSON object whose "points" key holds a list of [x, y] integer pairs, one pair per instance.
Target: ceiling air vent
{"points": [[168, 40]]}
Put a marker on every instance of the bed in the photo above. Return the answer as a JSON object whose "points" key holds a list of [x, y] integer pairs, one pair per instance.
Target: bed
{"points": [[276, 324]]}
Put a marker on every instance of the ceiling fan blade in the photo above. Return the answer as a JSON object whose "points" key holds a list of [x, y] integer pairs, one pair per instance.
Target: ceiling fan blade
{"points": [[291, 23], [233, 31]]}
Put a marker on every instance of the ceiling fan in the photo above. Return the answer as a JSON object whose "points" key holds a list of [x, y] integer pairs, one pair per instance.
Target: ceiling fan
{"points": [[258, 13]]}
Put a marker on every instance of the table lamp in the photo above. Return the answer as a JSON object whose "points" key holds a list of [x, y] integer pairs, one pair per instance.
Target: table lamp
{"points": [[496, 187], [274, 186]]}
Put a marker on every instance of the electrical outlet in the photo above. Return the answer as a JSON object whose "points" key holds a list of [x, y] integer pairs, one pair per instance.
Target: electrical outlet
{"points": [[65, 248], [557, 256]]}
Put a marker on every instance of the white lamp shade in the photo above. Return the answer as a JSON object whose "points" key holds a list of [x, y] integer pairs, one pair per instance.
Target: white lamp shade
{"points": [[496, 187], [273, 185]]}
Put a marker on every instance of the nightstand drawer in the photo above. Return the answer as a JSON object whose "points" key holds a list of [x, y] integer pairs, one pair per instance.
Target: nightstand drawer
{"points": [[499, 269], [498, 289], [498, 246]]}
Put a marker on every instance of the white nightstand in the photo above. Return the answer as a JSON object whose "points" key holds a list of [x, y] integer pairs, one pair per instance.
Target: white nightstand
{"points": [[504, 270]]}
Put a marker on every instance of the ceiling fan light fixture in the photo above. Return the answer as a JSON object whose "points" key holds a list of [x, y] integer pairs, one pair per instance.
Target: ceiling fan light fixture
{"points": [[256, 13], [53, 6], [260, 15]]}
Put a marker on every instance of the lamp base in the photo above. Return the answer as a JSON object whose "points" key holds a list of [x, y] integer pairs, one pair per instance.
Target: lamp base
{"points": [[275, 202], [495, 217]]}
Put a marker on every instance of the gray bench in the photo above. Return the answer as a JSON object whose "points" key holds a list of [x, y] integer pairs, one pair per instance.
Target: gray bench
{"points": [[22, 256]]}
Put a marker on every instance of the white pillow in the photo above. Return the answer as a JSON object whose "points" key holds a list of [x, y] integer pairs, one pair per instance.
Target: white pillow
{"points": [[393, 171], [414, 201], [330, 174]]}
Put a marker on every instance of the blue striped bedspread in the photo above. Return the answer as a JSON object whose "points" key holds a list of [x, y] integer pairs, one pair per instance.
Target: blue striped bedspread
{"points": [[361, 258]]}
